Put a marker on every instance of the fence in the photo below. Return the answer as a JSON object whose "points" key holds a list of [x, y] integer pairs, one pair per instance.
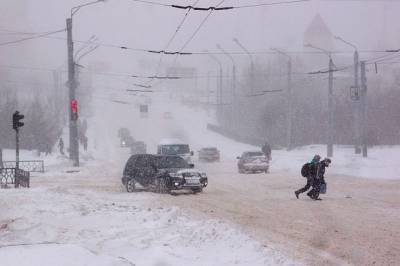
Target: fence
{"points": [[29, 166], [12, 176]]}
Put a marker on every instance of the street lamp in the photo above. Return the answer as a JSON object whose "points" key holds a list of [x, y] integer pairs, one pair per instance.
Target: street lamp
{"points": [[233, 70], [72, 84], [251, 66], [288, 98], [233, 88], [330, 99], [220, 77], [357, 149]]}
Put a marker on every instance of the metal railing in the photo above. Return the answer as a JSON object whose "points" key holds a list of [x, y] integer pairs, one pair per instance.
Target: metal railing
{"points": [[12, 176], [29, 166]]}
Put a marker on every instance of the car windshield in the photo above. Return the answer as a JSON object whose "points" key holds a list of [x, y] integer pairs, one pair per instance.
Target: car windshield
{"points": [[175, 149], [210, 149], [171, 162], [253, 154]]}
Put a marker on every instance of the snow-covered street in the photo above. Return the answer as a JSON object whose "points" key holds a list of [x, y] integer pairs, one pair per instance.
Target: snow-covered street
{"points": [[87, 219]]}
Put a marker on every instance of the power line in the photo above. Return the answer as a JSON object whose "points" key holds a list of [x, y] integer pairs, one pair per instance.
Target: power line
{"points": [[33, 37], [151, 3], [199, 27], [172, 38], [271, 4], [218, 8], [166, 52]]}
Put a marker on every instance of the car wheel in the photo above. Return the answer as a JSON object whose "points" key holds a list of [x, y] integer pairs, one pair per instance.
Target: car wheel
{"points": [[197, 190], [162, 186], [130, 185]]}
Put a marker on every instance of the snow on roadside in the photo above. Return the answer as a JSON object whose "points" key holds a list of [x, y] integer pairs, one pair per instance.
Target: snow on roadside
{"points": [[61, 226]]}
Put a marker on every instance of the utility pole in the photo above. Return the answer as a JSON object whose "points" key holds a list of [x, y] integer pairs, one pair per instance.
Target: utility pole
{"points": [[364, 110], [251, 64], [1, 157], [331, 66], [73, 128], [289, 115], [330, 110], [219, 93], [357, 123], [72, 85], [233, 88], [356, 106]]}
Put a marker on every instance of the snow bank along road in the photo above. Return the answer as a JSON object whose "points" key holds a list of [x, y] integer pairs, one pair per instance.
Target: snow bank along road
{"points": [[86, 218]]}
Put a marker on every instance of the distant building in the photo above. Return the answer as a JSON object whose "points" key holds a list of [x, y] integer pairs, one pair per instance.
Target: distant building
{"points": [[318, 34]]}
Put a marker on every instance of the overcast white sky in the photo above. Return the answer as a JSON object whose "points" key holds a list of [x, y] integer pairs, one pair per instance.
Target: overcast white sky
{"points": [[125, 22]]}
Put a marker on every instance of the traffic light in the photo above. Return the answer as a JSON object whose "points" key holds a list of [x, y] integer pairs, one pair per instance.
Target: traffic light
{"points": [[74, 110], [16, 120]]}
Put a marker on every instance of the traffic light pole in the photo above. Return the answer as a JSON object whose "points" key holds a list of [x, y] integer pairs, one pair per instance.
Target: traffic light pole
{"points": [[364, 110], [17, 148], [73, 128], [330, 110]]}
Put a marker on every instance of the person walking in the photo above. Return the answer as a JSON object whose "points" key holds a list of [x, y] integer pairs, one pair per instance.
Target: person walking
{"points": [[266, 149], [85, 143], [319, 179], [61, 146], [310, 175]]}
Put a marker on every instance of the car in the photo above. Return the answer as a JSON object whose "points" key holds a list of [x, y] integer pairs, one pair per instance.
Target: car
{"points": [[162, 174], [127, 141], [175, 147], [138, 147], [253, 161], [209, 154]]}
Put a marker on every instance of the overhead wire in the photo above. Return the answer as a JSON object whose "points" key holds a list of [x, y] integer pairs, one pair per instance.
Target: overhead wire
{"points": [[271, 4], [32, 37], [172, 38]]}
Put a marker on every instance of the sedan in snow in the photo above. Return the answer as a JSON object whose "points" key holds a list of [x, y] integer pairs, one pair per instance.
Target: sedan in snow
{"points": [[253, 162], [209, 154]]}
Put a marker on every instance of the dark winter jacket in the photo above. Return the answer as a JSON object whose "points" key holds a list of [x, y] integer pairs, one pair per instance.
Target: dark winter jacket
{"points": [[266, 149], [321, 172]]}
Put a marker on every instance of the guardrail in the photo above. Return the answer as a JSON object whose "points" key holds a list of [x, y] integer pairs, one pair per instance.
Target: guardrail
{"points": [[12, 176], [29, 166]]}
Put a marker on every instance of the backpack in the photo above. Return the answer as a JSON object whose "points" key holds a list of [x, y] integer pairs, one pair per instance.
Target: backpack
{"points": [[305, 170]]}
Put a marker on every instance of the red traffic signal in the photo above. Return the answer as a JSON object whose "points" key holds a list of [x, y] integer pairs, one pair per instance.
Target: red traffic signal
{"points": [[16, 120], [74, 110]]}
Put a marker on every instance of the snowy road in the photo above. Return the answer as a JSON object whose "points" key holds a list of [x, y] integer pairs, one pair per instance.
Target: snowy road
{"points": [[356, 223], [239, 219], [86, 217]]}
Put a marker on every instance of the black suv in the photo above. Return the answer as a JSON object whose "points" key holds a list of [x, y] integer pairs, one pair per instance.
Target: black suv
{"points": [[162, 173]]}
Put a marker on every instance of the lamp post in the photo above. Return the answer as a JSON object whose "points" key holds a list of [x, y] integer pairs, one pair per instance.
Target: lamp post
{"points": [[330, 99], [357, 124], [289, 122], [251, 64], [72, 84], [219, 97], [233, 91], [233, 88]]}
